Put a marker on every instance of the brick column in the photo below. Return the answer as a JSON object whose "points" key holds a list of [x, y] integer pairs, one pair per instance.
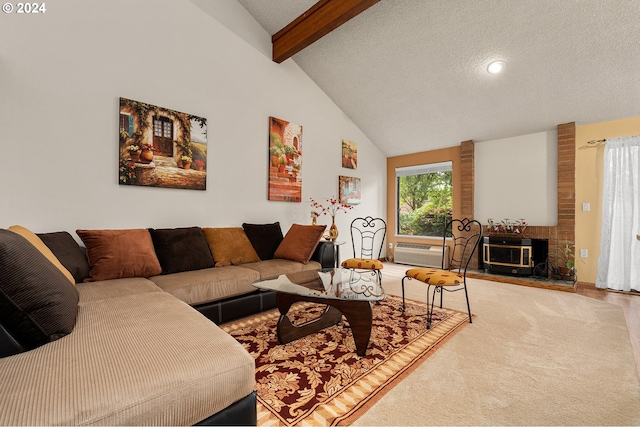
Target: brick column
{"points": [[467, 177], [566, 187]]}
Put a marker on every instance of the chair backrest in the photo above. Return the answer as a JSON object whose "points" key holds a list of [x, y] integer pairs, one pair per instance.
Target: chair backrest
{"points": [[465, 235], [367, 237]]}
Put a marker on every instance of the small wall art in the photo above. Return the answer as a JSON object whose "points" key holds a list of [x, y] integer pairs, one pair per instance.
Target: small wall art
{"points": [[285, 161], [349, 190], [349, 154], [160, 147]]}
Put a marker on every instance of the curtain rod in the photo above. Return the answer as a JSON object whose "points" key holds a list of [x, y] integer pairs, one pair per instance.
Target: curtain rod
{"points": [[600, 141], [594, 143]]}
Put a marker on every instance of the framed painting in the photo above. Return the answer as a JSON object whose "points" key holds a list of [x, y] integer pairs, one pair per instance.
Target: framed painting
{"points": [[349, 154], [160, 147], [285, 161], [349, 190]]}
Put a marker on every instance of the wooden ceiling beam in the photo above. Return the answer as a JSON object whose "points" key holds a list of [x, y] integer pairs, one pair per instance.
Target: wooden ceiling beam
{"points": [[322, 18]]}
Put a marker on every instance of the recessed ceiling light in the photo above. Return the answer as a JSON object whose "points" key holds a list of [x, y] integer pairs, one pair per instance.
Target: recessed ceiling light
{"points": [[496, 66]]}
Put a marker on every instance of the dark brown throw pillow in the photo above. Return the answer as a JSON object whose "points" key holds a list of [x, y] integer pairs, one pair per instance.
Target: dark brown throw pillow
{"points": [[38, 304], [116, 254], [300, 242], [265, 238], [181, 249], [69, 252], [44, 250]]}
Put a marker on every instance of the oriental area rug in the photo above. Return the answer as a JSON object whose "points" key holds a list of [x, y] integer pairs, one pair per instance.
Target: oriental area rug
{"points": [[319, 379]]}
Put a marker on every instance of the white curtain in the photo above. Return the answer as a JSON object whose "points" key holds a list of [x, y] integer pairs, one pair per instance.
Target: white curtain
{"points": [[619, 262]]}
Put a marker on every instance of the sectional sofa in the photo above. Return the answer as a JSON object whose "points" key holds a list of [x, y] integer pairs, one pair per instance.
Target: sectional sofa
{"points": [[122, 330]]}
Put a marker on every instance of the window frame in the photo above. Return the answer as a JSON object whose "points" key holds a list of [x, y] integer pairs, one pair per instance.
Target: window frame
{"points": [[419, 169]]}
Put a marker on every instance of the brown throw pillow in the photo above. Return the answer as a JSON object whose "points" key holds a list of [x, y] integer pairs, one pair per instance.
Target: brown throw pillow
{"points": [[116, 254], [230, 246], [300, 242]]}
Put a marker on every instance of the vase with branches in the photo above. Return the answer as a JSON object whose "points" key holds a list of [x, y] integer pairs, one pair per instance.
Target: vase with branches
{"points": [[331, 207]]}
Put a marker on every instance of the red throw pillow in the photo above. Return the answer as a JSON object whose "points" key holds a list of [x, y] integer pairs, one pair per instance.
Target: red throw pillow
{"points": [[300, 242]]}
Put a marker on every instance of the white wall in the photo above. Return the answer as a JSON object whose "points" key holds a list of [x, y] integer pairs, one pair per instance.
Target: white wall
{"points": [[61, 75], [517, 178]]}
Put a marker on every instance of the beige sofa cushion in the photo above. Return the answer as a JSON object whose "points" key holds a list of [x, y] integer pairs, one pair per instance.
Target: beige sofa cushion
{"points": [[277, 266], [209, 284], [144, 359], [115, 288]]}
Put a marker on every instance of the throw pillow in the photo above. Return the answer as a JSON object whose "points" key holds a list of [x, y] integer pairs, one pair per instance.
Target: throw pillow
{"points": [[230, 246], [116, 254], [37, 303], [181, 249], [69, 252], [300, 242], [265, 238], [44, 250]]}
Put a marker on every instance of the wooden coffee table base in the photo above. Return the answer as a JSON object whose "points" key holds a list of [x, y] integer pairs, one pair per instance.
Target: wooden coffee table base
{"points": [[358, 314]]}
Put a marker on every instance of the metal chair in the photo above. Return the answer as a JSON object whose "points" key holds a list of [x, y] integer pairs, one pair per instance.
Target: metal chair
{"points": [[367, 239], [465, 235]]}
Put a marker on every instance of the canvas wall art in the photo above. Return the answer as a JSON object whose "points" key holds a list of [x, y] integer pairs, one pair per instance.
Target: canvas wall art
{"points": [[160, 147], [349, 190], [285, 161], [349, 154]]}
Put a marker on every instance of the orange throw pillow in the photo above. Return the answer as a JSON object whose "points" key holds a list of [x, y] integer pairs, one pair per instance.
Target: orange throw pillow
{"points": [[230, 246], [116, 254], [300, 242]]}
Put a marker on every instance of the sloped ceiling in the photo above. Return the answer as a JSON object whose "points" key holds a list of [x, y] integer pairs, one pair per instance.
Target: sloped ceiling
{"points": [[411, 74]]}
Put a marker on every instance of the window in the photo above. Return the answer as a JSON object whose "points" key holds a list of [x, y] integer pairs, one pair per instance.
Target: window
{"points": [[126, 124], [424, 199]]}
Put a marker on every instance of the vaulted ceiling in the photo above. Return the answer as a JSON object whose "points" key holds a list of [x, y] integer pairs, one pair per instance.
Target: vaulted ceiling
{"points": [[412, 75]]}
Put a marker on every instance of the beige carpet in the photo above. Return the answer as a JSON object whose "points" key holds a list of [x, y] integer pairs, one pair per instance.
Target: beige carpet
{"points": [[531, 357]]}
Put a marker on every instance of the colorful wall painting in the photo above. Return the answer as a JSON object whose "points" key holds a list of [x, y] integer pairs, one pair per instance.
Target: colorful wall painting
{"points": [[285, 161], [349, 190], [160, 147], [349, 154]]}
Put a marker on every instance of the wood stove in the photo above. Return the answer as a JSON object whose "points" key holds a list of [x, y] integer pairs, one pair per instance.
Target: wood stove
{"points": [[508, 255]]}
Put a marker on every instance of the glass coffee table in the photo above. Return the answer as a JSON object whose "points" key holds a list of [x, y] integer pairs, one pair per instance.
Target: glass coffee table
{"points": [[344, 292]]}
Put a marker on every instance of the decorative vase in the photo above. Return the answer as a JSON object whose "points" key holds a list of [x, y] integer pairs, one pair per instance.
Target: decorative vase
{"points": [[134, 155], [333, 230], [146, 156]]}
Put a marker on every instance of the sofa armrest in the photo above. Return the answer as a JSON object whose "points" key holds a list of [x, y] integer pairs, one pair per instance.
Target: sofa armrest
{"points": [[325, 254]]}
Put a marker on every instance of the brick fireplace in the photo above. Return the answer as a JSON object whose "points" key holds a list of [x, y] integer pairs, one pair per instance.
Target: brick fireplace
{"points": [[556, 235]]}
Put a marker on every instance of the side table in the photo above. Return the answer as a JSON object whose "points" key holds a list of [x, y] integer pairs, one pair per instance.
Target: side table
{"points": [[336, 252]]}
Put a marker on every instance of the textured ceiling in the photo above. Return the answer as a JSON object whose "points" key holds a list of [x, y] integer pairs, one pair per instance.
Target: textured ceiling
{"points": [[411, 74]]}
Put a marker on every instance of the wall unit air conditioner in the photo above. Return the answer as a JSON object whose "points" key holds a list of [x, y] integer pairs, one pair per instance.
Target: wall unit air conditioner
{"points": [[421, 255]]}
